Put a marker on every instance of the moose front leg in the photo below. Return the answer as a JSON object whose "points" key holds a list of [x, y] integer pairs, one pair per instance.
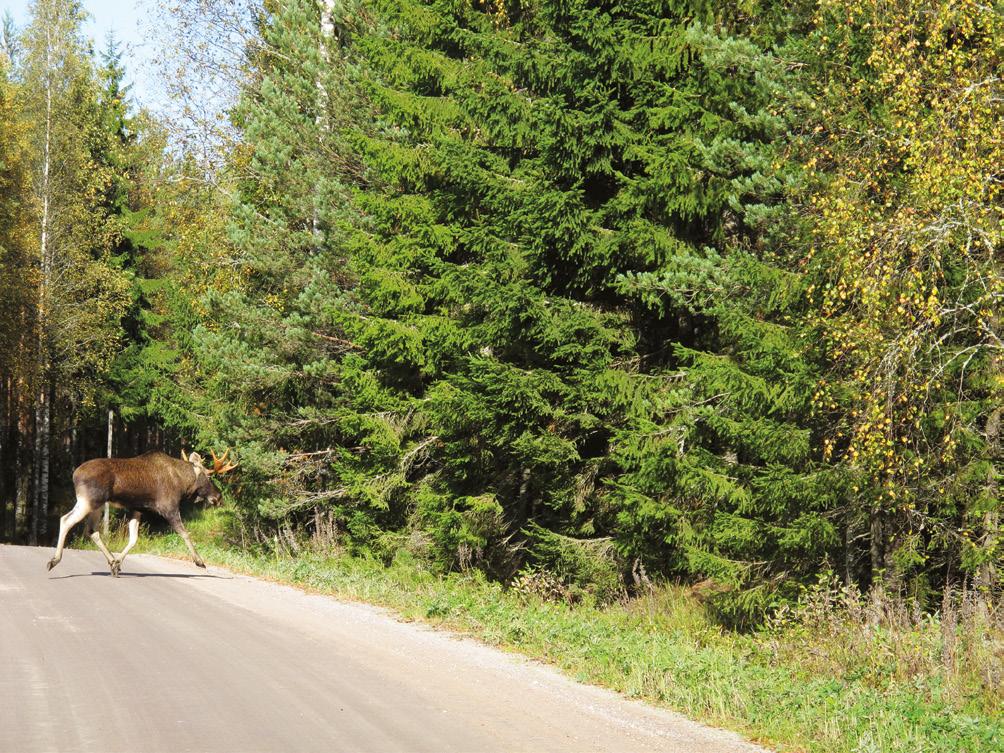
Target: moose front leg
{"points": [[175, 520], [96, 538]]}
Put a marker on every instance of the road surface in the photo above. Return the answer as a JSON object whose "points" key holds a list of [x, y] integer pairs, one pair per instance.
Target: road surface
{"points": [[172, 658]]}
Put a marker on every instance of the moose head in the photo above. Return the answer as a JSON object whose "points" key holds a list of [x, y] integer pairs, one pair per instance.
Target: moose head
{"points": [[206, 489]]}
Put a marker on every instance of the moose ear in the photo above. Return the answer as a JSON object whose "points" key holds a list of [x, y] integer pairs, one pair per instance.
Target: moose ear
{"points": [[195, 458], [184, 456]]}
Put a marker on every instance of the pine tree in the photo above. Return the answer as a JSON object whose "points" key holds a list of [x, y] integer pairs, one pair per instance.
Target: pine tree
{"points": [[271, 371]]}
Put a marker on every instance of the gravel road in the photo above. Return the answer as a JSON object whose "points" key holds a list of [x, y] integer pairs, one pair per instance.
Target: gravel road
{"points": [[172, 658]]}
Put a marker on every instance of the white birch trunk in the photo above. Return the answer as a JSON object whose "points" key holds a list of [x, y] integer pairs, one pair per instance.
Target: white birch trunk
{"points": [[43, 412], [321, 120]]}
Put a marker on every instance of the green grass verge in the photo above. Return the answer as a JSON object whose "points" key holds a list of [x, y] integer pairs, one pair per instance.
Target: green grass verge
{"points": [[661, 648]]}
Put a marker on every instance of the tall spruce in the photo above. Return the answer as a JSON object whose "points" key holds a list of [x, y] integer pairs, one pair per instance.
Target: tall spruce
{"points": [[508, 271], [132, 149], [577, 271]]}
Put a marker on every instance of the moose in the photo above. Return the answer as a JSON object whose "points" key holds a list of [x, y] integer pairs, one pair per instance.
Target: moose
{"points": [[153, 481]]}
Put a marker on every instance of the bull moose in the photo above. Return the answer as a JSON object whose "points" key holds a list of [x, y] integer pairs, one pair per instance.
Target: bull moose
{"points": [[153, 481]]}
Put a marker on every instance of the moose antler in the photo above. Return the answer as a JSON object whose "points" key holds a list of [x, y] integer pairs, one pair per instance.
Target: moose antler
{"points": [[220, 465]]}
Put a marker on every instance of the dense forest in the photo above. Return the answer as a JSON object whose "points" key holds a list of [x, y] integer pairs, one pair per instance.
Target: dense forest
{"points": [[610, 291]]}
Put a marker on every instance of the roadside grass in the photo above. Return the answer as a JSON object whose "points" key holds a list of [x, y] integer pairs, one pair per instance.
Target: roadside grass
{"points": [[797, 687]]}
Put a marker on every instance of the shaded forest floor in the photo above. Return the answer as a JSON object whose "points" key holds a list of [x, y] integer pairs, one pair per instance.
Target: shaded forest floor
{"points": [[829, 678]]}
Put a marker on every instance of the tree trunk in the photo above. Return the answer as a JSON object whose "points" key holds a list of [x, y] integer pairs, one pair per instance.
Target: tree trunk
{"points": [[327, 37], [986, 574], [5, 461], [111, 436], [74, 448], [137, 435], [43, 523], [523, 497], [24, 466], [40, 499], [877, 545]]}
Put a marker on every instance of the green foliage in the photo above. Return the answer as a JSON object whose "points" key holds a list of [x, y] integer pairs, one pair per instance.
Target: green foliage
{"points": [[567, 194], [17, 283], [82, 291], [490, 282], [589, 570], [907, 279], [265, 330]]}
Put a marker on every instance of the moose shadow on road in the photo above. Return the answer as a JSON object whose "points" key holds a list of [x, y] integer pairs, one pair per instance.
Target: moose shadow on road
{"points": [[107, 574]]}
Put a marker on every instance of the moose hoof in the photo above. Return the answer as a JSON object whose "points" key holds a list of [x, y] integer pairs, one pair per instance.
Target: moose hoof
{"points": [[200, 563], [52, 563], [116, 567]]}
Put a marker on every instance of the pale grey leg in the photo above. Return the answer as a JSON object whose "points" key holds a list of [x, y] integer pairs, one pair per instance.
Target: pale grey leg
{"points": [[133, 537], [80, 511], [96, 538], [179, 528]]}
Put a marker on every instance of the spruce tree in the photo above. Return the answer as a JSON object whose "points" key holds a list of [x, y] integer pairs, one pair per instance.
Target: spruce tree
{"points": [[572, 202], [513, 267], [130, 151]]}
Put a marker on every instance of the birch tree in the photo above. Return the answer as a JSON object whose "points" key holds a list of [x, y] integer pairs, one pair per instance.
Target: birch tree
{"points": [[17, 291], [205, 46], [80, 295]]}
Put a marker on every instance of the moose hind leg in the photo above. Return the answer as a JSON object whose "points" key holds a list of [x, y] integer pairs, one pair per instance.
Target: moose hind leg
{"points": [[179, 528], [93, 521], [133, 538], [80, 511]]}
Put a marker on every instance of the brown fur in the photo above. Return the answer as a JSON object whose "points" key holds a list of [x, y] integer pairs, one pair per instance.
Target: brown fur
{"points": [[153, 481]]}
